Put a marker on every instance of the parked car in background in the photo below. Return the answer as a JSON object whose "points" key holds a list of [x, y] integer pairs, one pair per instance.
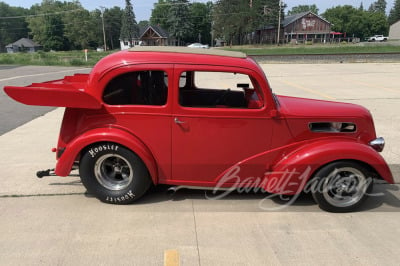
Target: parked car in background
{"points": [[378, 38], [206, 118], [198, 45]]}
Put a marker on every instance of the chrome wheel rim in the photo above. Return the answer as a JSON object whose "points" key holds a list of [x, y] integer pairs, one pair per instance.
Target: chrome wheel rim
{"points": [[113, 172], [345, 187]]}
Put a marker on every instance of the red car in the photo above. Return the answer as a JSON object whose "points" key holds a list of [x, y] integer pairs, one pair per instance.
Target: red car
{"points": [[206, 118]]}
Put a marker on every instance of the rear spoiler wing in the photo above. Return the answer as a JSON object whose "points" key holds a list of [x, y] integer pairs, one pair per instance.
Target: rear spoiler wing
{"points": [[66, 92]]}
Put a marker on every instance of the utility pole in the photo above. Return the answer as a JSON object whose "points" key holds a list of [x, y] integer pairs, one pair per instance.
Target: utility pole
{"points": [[104, 31], [212, 32], [279, 21]]}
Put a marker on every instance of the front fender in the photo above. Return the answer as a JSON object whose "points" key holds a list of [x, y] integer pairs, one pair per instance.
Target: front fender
{"points": [[65, 162], [290, 175]]}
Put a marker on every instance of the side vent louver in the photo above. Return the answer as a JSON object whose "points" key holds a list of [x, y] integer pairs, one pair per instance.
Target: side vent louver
{"points": [[332, 127]]}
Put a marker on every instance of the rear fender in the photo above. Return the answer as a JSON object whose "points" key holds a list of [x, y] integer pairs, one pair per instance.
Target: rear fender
{"points": [[117, 136], [289, 176]]}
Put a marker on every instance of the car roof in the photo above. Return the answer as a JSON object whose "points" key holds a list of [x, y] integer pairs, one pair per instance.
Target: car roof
{"points": [[185, 50], [169, 55]]}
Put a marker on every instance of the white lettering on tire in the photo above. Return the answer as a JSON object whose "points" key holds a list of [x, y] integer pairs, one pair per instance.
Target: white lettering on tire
{"points": [[122, 198], [106, 147]]}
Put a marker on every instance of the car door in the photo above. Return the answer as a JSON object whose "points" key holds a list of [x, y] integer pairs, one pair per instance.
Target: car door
{"points": [[213, 128], [139, 100]]}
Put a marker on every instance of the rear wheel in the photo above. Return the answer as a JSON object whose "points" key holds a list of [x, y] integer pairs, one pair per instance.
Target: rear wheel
{"points": [[113, 173], [341, 186]]}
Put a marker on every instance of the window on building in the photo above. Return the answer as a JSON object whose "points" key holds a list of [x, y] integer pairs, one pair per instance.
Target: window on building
{"points": [[138, 88]]}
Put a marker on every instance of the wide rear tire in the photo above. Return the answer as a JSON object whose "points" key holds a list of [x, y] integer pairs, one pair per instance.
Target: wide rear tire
{"points": [[113, 173]]}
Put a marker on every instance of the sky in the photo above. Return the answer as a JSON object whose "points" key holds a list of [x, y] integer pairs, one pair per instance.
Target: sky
{"points": [[142, 8]]}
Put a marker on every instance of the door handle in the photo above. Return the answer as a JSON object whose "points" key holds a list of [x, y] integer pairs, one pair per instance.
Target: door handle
{"points": [[177, 121]]}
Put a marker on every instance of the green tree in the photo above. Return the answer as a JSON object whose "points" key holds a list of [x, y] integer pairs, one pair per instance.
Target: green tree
{"points": [[377, 24], [231, 18], [378, 6], [355, 22], [12, 24], [113, 24], [61, 25], [54, 33], [303, 8], [340, 17], [180, 26], [84, 29], [47, 26], [235, 20], [95, 34], [159, 14], [129, 28], [265, 13], [143, 23], [394, 14], [76, 26], [201, 19]]}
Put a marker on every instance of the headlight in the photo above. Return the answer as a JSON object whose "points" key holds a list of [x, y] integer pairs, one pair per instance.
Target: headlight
{"points": [[378, 144]]}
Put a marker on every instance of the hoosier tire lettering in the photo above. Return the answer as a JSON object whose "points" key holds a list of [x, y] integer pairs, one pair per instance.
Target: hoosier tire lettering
{"points": [[104, 147], [113, 173], [128, 196]]}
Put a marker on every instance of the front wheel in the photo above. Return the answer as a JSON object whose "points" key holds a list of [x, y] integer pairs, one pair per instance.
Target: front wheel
{"points": [[113, 173], [341, 186]]}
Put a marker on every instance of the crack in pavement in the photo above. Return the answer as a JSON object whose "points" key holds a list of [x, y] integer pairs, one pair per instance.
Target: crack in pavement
{"points": [[41, 195]]}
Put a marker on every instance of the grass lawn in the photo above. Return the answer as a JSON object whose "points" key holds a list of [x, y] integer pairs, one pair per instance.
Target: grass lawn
{"points": [[77, 58], [71, 58], [317, 49]]}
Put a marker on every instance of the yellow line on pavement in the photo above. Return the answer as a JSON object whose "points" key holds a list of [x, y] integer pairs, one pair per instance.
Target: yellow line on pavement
{"points": [[171, 257], [375, 87], [308, 90]]}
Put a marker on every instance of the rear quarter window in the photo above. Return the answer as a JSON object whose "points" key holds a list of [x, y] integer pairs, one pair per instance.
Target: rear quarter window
{"points": [[138, 88]]}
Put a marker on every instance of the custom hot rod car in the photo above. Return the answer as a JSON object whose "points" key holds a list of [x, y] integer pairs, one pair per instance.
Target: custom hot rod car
{"points": [[206, 118]]}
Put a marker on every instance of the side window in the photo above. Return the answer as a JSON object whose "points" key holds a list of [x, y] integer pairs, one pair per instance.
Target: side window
{"points": [[219, 90], [138, 88]]}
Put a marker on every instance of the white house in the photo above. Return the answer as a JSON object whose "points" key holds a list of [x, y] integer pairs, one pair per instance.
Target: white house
{"points": [[148, 36], [394, 31]]}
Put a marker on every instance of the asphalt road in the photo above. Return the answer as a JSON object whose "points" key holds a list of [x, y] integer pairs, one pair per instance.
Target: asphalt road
{"points": [[14, 114], [53, 221]]}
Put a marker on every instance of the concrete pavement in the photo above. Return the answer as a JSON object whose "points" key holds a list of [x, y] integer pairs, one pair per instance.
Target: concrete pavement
{"points": [[52, 221], [13, 114]]}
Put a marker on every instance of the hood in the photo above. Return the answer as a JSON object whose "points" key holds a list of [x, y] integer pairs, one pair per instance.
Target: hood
{"points": [[292, 107], [310, 119]]}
